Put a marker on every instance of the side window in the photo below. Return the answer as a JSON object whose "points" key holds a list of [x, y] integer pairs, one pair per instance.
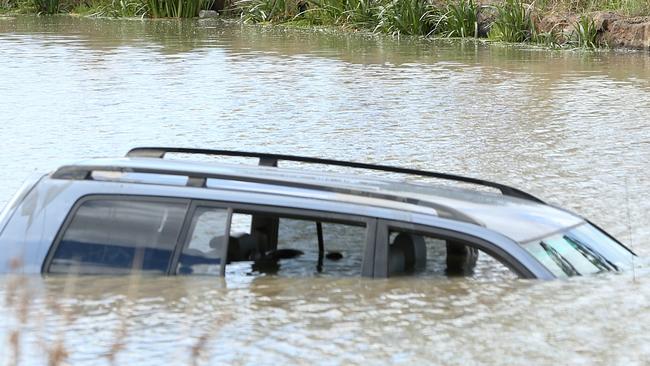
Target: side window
{"points": [[262, 244], [204, 248], [414, 254], [117, 236], [342, 247]]}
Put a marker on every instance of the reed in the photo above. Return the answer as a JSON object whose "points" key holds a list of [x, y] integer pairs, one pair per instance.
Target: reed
{"points": [[176, 8], [125, 8], [112, 8], [355, 13], [585, 32], [513, 22], [550, 39], [258, 11], [461, 19], [408, 17], [6, 5], [47, 6], [625, 7]]}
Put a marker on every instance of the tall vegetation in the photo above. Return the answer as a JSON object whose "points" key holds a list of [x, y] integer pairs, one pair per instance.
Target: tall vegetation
{"points": [[257, 11], [408, 17], [358, 13], [507, 20], [513, 22], [112, 8], [462, 19], [626, 7], [47, 6], [585, 32], [176, 8], [6, 5]]}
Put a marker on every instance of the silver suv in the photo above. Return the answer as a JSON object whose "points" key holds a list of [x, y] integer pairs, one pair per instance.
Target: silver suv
{"points": [[150, 214]]}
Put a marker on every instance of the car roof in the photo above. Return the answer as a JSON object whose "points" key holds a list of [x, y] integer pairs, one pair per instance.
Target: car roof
{"points": [[520, 219]]}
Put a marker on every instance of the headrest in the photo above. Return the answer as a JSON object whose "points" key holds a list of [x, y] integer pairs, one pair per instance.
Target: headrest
{"points": [[461, 259], [407, 253], [241, 246]]}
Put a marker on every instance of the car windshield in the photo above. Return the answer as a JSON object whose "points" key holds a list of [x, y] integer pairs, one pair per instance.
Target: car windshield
{"points": [[579, 251]]}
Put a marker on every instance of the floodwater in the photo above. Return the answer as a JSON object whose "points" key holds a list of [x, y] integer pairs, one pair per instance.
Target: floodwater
{"points": [[571, 127]]}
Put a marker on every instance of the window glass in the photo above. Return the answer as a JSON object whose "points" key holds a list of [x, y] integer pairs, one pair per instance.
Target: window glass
{"points": [[587, 235], [419, 255], [290, 247], [202, 253], [119, 236], [343, 248], [580, 251]]}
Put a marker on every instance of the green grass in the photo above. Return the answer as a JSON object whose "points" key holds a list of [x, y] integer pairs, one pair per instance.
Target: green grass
{"points": [[259, 11], [47, 6], [550, 39], [176, 8], [461, 19], [407, 17], [513, 22], [625, 7], [354, 13], [112, 8], [585, 32], [450, 18], [6, 5]]}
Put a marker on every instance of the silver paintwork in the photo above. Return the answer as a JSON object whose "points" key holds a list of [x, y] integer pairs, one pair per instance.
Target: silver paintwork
{"points": [[516, 218], [502, 221]]}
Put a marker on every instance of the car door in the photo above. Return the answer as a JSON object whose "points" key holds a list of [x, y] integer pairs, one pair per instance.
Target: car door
{"points": [[117, 234], [405, 248], [225, 238]]}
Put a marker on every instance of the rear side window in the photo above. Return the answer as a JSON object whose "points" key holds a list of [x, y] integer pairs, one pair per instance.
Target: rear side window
{"points": [[110, 236], [204, 249]]}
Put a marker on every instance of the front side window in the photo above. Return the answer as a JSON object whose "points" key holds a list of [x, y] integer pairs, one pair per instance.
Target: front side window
{"points": [[118, 236], [427, 255], [580, 251], [341, 254]]}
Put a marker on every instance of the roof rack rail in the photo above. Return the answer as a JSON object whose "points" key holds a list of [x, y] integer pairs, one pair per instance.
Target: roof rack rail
{"points": [[194, 179], [268, 159]]}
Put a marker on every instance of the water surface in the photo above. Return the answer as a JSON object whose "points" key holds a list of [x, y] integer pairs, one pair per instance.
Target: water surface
{"points": [[570, 127]]}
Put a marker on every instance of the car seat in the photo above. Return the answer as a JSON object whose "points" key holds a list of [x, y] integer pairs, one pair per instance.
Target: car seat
{"points": [[461, 259], [407, 254]]}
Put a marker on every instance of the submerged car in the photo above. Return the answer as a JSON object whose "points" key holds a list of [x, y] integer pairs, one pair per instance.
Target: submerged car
{"points": [[147, 213]]}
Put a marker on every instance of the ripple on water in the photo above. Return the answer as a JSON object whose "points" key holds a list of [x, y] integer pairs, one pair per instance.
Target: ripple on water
{"points": [[570, 127]]}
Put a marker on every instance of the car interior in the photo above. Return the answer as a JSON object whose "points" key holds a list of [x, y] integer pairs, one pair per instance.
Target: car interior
{"points": [[263, 244]]}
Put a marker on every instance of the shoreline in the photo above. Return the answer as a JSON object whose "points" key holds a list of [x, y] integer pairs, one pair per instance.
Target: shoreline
{"points": [[613, 30], [508, 21]]}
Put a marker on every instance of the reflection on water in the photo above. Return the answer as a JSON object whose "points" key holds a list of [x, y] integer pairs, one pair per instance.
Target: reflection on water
{"points": [[570, 127]]}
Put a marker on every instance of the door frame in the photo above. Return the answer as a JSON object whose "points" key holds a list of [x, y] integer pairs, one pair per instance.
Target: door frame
{"points": [[368, 262]]}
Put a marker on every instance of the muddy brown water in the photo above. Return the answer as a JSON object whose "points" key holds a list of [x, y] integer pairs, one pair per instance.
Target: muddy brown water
{"points": [[571, 127]]}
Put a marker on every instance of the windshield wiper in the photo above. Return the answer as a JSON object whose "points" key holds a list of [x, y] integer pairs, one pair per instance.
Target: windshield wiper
{"points": [[564, 264], [591, 255]]}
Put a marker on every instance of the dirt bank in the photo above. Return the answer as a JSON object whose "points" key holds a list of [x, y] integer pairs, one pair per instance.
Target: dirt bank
{"points": [[614, 30]]}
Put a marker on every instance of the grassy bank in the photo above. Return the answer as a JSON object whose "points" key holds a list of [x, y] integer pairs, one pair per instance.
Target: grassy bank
{"points": [[623, 7], [109, 8], [500, 20]]}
